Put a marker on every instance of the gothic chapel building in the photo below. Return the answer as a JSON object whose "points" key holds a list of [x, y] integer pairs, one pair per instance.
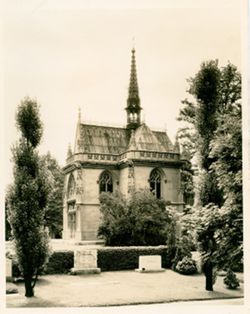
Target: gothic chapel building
{"points": [[106, 159]]}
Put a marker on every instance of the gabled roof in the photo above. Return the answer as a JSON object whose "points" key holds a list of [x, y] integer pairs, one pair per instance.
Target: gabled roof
{"points": [[101, 139], [116, 140], [145, 139]]}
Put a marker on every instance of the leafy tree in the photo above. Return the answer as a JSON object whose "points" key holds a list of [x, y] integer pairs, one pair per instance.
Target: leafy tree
{"points": [[27, 197], [115, 226], [150, 219], [201, 114], [53, 211], [7, 224], [215, 115], [141, 220], [226, 148]]}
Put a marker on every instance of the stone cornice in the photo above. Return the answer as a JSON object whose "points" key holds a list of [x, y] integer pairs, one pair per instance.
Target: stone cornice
{"points": [[91, 160], [123, 164], [151, 163]]}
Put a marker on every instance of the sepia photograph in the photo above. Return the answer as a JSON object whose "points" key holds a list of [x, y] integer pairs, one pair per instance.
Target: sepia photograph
{"points": [[124, 161]]}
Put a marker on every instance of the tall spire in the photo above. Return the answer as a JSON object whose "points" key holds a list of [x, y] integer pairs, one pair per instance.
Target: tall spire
{"points": [[133, 91], [133, 102]]}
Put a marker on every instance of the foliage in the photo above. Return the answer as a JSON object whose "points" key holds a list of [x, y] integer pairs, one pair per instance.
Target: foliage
{"points": [[220, 236], [27, 197], [142, 220], [226, 148], [7, 224], [53, 211], [183, 249], [201, 115], [121, 258], [60, 262], [231, 281], [186, 138], [150, 219], [108, 259], [215, 115], [187, 184], [28, 121], [186, 266], [188, 221]]}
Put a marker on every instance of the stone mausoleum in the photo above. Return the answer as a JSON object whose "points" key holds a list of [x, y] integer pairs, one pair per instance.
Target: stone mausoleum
{"points": [[106, 159]]}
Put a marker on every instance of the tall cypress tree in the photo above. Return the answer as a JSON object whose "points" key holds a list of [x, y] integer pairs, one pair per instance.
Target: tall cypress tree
{"points": [[28, 196]]}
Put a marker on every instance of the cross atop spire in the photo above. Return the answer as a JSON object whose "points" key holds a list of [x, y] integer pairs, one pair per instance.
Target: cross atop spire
{"points": [[133, 102]]}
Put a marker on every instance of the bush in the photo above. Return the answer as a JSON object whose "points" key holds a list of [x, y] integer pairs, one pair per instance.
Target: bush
{"points": [[183, 249], [231, 281], [60, 262], [122, 258], [186, 266], [141, 220], [238, 267]]}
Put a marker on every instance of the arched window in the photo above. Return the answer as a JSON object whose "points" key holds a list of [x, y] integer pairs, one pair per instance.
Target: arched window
{"points": [[106, 182], [155, 182], [71, 186]]}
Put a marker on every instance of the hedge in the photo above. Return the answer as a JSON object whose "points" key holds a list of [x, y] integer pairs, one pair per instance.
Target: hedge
{"points": [[108, 258], [60, 262], [122, 258]]}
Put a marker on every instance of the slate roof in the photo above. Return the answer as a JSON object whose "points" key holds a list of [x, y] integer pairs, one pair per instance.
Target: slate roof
{"points": [[115, 140]]}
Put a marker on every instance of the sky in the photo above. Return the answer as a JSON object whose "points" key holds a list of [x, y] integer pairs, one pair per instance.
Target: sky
{"points": [[77, 54]]}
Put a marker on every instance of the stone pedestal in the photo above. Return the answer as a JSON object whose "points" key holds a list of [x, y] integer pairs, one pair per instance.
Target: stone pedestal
{"points": [[85, 262], [149, 263], [8, 269]]}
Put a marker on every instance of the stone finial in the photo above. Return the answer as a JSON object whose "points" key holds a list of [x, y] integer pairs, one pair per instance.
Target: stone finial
{"points": [[79, 115], [176, 145], [143, 118], [69, 153]]}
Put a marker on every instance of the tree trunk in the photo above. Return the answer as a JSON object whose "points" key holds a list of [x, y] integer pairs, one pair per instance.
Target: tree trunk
{"points": [[28, 287], [208, 270]]}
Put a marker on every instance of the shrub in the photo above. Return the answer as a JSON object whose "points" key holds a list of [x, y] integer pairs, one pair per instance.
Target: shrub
{"points": [[60, 262], [122, 258], [231, 281], [141, 220], [186, 266], [182, 250]]}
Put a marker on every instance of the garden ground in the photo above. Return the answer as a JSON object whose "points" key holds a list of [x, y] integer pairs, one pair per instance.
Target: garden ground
{"points": [[120, 288]]}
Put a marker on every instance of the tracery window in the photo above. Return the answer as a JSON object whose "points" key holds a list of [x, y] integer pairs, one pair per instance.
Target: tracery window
{"points": [[155, 182], [71, 186], [106, 182]]}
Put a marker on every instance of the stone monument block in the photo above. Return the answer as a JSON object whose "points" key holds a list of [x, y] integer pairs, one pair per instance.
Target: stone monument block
{"points": [[8, 268], [85, 262], [150, 263]]}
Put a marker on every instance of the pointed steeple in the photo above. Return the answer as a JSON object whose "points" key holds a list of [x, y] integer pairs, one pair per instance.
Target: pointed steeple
{"points": [[133, 91], [133, 102]]}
